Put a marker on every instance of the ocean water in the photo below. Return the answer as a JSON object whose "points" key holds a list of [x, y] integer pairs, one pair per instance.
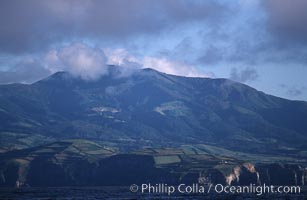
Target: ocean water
{"points": [[116, 193]]}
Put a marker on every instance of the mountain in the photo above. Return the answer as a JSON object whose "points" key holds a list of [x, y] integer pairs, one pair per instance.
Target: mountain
{"points": [[148, 127], [151, 109]]}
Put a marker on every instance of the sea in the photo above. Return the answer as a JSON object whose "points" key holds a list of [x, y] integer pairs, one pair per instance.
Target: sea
{"points": [[117, 193]]}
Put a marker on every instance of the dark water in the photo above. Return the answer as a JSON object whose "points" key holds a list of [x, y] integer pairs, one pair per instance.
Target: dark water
{"points": [[94, 193]]}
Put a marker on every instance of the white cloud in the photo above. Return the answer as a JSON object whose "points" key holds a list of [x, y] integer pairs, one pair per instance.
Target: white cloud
{"points": [[90, 63], [119, 56], [173, 67], [122, 57], [79, 59]]}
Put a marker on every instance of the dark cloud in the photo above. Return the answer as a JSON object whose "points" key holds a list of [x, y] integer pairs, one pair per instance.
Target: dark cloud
{"points": [[34, 24], [286, 27], [212, 55], [27, 25], [287, 20], [245, 75], [293, 91], [24, 72], [274, 31], [181, 10]]}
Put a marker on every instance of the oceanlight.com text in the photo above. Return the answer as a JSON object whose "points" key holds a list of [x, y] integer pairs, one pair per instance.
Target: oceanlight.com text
{"points": [[196, 188]]}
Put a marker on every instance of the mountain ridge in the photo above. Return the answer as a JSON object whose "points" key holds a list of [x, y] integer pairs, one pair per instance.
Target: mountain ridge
{"points": [[66, 73], [151, 108]]}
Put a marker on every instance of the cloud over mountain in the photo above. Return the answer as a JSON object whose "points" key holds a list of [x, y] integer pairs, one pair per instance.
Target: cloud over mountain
{"points": [[189, 38], [78, 59], [244, 75]]}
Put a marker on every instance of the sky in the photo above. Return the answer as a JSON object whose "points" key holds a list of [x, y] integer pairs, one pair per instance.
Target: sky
{"points": [[261, 43]]}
